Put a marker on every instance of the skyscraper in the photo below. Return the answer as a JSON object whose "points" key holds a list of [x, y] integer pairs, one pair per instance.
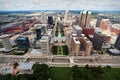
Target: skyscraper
{"points": [[75, 45], [85, 17], [77, 30], [66, 15], [117, 43], [50, 20], [43, 17], [38, 31], [99, 18], [104, 24], [98, 40]]}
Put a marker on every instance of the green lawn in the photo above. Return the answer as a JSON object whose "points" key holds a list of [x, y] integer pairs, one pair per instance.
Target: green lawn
{"points": [[112, 74], [64, 73], [60, 73], [60, 50]]}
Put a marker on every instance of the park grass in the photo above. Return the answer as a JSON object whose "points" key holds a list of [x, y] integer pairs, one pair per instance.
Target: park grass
{"points": [[112, 74], [60, 73], [60, 50], [64, 73]]}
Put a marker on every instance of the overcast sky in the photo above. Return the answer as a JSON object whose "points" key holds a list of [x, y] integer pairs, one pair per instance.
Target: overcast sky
{"points": [[13, 5]]}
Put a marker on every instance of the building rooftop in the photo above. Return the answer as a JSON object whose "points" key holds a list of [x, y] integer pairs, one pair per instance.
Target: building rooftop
{"points": [[44, 38], [21, 38], [38, 26], [83, 35], [49, 32], [76, 40], [117, 26], [26, 66], [105, 20], [98, 30], [36, 51], [77, 27], [4, 36], [74, 35], [84, 12]]}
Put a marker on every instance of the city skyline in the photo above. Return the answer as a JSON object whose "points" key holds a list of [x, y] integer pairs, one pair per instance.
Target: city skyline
{"points": [[109, 5]]}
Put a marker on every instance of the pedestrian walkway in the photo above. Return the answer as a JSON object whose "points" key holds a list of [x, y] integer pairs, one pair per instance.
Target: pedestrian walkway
{"points": [[71, 59], [60, 50]]}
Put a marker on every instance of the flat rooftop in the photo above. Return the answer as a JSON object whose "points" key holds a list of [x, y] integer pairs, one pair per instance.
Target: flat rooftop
{"points": [[36, 51], [77, 27], [116, 26], [76, 40], [44, 38], [38, 26], [4, 36]]}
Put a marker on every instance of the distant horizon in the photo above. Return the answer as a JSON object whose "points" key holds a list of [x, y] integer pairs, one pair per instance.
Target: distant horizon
{"points": [[57, 10]]}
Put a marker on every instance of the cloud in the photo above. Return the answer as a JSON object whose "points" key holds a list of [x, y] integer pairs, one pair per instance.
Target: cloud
{"points": [[59, 4]]}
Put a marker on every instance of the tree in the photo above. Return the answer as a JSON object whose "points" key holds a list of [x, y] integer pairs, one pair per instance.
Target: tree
{"points": [[15, 64], [41, 71], [14, 78], [86, 72], [76, 73], [87, 67], [97, 72]]}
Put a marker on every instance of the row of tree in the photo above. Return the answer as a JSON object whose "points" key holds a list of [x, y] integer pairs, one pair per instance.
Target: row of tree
{"points": [[88, 73]]}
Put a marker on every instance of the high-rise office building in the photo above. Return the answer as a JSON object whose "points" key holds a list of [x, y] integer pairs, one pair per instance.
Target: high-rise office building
{"points": [[75, 46], [44, 43], [38, 30], [115, 29], [85, 17], [77, 30], [22, 43], [80, 46], [86, 45], [50, 20], [5, 42], [117, 43], [116, 49], [98, 40], [105, 24], [38, 33], [66, 15], [43, 17], [99, 18]]}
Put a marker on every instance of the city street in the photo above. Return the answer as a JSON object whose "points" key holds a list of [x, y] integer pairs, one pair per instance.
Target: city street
{"points": [[65, 60]]}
